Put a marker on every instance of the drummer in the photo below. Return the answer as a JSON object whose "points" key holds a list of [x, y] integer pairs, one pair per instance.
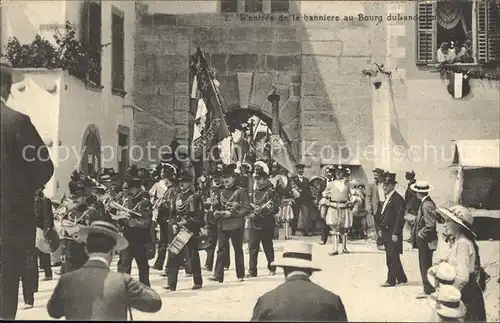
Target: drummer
{"points": [[186, 215]]}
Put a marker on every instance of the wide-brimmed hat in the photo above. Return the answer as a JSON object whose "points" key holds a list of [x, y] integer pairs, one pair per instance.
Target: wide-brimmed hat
{"points": [[447, 302], [378, 171], [443, 273], [421, 187], [6, 67], [104, 228], [460, 215], [229, 170], [297, 254], [316, 178], [262, 165]]}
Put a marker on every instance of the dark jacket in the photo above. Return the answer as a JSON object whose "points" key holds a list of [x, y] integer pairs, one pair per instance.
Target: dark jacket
{"points": [[265, 199], [299, 299], [188, 207], [411, 200], [235, 200], [21, 176], [94, 292], [425, 224], [392, 219], [44, 213], [303, 188]]}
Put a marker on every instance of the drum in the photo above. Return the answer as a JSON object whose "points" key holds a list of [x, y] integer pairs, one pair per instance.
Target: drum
{"points": [[69, 228], [179, 241]]}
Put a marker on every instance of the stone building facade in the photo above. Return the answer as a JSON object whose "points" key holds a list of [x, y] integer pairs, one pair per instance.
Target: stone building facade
{"points": [[329, 112]]}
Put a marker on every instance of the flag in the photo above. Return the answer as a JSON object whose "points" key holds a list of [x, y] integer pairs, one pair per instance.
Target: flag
{"points": [[217, 107], [200, 119], [194, 89], [280, 154]]}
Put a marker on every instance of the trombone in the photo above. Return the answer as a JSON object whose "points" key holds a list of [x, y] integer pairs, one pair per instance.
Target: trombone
{"points": [[122, 210]]}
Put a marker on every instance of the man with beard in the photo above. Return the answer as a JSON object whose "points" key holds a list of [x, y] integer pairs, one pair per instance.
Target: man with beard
{"points": [[232, 208], [186, 213], [161, 194], [211, 222], [137, 230], [262, 222]]}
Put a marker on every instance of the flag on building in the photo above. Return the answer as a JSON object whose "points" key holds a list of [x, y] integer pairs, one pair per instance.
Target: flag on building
{"points": [[280, 154]]}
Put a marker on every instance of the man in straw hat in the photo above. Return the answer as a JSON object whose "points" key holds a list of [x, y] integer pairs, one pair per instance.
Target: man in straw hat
{"points": [[287, 302], [424, 233], [391, 231], [375, 198], [26, 166], [94, 292]]}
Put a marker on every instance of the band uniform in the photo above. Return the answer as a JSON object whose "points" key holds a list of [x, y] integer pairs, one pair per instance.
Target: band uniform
{"points": [[231, 209], [137, 231], [186, 213], [262, 221]]}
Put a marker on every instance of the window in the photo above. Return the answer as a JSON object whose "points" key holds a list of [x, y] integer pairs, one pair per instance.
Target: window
{"points": [[92, 37], [118, 50], [473, 25], [253, 5], [280, 6], [229, 5]]}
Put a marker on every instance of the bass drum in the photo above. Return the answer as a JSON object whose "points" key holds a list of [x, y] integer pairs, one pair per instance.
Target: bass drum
{"points": [[47, 242]]}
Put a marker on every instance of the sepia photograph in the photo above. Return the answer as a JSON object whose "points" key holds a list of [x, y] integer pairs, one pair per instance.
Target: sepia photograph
{"points": [[250, 160]]}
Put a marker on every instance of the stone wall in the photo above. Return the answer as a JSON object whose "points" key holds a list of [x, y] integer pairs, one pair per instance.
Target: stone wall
{"points": [[316, 68]]}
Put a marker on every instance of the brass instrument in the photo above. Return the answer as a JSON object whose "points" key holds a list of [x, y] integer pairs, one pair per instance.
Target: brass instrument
{"points": [[123, 212], [160, 200]]}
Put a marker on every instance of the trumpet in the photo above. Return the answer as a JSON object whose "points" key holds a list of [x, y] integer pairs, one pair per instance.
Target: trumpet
{"points": [[122, 209], [159, 201]]}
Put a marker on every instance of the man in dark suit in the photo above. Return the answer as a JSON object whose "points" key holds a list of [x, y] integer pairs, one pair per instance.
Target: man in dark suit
{"points": [[302, 217], [96, 293], [391, 230], [298, 298], [44, 221], [412, 203], [25, 167], [424, 234]]}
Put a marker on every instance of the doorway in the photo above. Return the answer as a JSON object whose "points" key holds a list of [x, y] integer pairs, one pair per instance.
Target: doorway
{"points": [[123, 150]]}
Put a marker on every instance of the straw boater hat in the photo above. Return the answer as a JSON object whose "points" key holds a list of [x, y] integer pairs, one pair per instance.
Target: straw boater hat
{"points": [[6, 67], [297, 254], [105, 228], [460, 215], [262, 165], [447, 302], [421, 187], [443, 273]]}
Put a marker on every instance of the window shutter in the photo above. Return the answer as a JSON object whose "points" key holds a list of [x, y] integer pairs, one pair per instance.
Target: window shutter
{"points": [[493, 24], [426, 33], [482, 31]]}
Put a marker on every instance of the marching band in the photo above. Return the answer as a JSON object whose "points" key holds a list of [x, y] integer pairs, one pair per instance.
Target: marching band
{"points": [[231, 203]]}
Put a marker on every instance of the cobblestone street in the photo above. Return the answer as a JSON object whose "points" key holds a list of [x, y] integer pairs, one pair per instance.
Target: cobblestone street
{"points": [[355, 277]]}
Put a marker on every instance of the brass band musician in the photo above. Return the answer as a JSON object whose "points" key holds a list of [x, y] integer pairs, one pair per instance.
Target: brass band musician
{"points": [[74, 215], [186, 216], [210, 199], [262, 220], [137, 230], [232, 208]]}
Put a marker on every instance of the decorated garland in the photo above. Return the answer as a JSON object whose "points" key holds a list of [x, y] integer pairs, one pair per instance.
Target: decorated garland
{"points": [[444, 69]]}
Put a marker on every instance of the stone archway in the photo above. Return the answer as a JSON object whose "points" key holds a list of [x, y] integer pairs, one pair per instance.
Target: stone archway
{"points": [[91, 151], [248, 91]]}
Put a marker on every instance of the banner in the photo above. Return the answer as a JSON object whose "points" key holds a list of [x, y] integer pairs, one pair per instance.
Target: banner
{"points": [[199, 145], [280, 154]]}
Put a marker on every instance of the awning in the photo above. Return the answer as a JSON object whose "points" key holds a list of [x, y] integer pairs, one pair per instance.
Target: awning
{"points": [[477, 153]]}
